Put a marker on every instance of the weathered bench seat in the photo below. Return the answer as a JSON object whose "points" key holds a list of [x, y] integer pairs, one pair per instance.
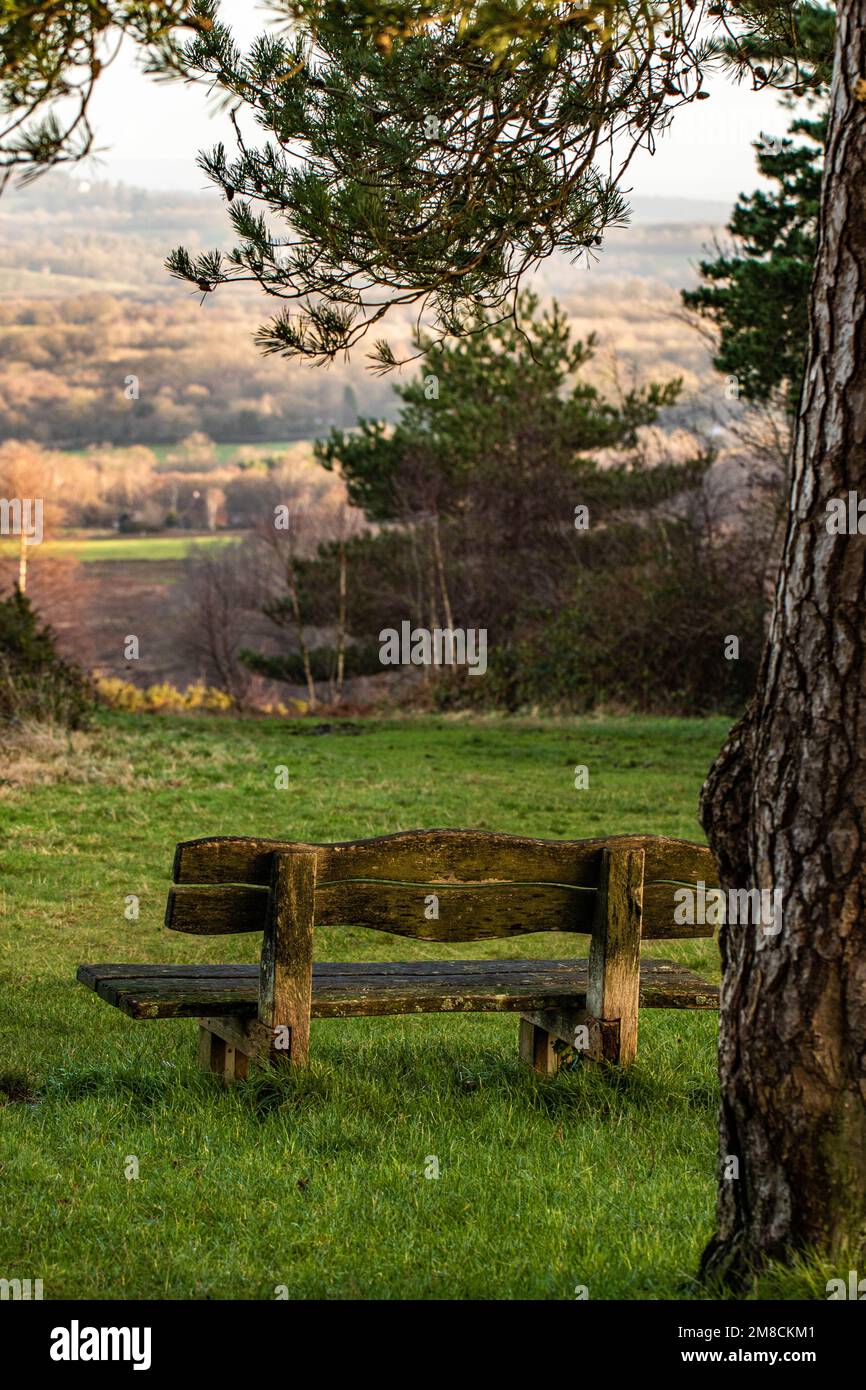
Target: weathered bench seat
{"points": [[386, 987], [440, 886]]}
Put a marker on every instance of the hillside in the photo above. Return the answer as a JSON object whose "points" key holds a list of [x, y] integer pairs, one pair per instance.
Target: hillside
{"points": [[89, 314]]}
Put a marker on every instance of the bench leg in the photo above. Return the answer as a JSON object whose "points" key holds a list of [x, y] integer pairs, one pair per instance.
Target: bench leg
{"points": [[536, 1048], [286, 979], [582, 1034], [613, 987], [221, 1057]]}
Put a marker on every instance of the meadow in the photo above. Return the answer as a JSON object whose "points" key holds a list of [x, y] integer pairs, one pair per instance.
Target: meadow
{"points": [[315, 1183], [94, 549]]}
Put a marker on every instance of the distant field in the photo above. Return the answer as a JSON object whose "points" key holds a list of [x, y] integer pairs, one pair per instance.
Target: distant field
{"points": [[89, 548], [224, 453]]}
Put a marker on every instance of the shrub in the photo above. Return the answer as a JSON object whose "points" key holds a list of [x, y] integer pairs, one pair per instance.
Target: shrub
{"points": [[163, 698], [646, 630], [35, 682]]}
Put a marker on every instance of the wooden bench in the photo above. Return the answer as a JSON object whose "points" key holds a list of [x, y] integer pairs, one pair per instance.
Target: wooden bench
{"points": [[440, 886]]}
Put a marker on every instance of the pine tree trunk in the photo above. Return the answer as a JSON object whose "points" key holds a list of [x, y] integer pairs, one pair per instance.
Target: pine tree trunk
{"points": [[785, 804]]}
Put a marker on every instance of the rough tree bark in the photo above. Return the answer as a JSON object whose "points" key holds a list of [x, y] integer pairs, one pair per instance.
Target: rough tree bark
{"points": [[785, 804]]}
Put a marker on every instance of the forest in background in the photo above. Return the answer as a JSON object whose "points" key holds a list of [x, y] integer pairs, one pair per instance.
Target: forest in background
{"points": [[86, 303], [142, 411]]}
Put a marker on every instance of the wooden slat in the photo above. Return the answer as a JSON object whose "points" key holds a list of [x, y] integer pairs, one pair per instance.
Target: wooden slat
{"points": [[658, 916], [466, 912], [140, 997], [462, 856], [445, 855], [217, 911], [343, 990], [93, 974]]}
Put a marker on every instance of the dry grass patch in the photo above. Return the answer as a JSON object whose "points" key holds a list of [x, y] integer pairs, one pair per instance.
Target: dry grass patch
{"points": [[35, 754]]}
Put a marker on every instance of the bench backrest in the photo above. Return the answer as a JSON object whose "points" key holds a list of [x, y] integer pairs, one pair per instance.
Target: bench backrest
{"points": [[439, 885], [486, 884]]}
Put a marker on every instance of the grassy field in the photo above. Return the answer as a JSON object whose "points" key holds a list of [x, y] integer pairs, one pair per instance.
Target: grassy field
{"points": [[91, 548], [317, 1182], [228, 453]]}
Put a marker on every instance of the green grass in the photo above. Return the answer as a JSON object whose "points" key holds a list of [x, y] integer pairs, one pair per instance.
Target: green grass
{"points": [[87, 549], [227, 453], [317, 1181]]}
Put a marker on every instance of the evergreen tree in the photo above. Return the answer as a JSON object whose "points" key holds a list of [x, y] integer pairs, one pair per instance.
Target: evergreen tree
{"points": [[489, 498], [35, 682], [502, 421], [756, 292]]}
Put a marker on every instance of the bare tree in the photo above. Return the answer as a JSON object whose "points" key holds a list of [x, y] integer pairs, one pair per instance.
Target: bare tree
{"points": [[223, 588]]}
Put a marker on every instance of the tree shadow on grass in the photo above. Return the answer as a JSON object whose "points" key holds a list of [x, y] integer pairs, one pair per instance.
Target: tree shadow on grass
{"points": [[18, 1088], [597, 1090], [378, 1078], [297, 1093], [137, 1084]]}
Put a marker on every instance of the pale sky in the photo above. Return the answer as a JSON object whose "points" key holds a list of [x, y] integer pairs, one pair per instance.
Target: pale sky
{"points": [[152, 132]]}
